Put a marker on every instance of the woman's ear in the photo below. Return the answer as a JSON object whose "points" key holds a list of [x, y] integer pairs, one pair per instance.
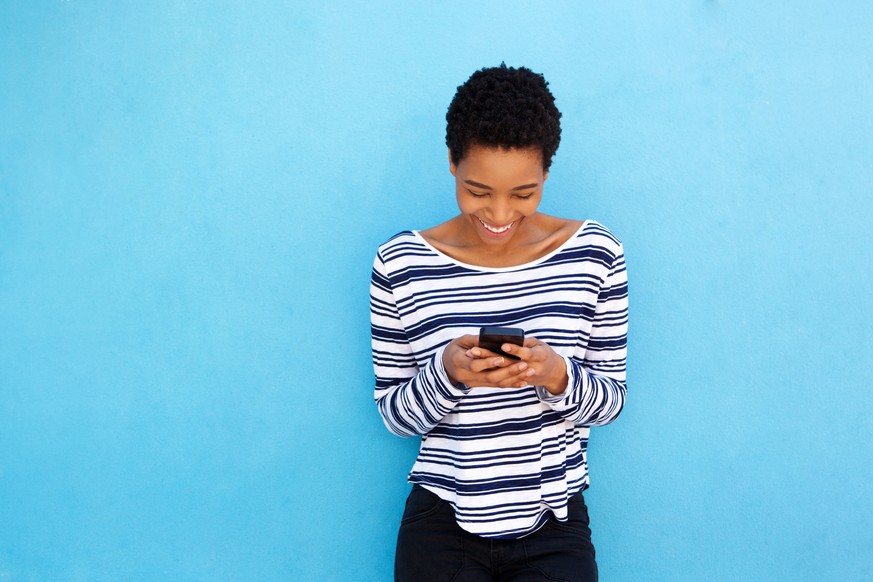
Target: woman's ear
{"points": [[452, 166]]}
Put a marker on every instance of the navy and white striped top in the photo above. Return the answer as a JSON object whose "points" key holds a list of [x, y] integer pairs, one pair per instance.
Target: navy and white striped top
{"points": [[503, 457]]}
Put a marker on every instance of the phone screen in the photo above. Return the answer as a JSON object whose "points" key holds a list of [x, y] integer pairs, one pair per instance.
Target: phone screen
{"points": [[491, 338]]}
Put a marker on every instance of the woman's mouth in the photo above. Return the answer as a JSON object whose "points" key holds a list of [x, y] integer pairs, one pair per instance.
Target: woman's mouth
{"points": [[494, 229]]}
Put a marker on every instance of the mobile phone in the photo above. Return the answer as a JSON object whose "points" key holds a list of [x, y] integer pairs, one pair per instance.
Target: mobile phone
{"points": [[491, 338]]}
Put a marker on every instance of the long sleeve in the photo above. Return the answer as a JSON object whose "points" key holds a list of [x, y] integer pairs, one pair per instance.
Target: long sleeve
{"points": [[411, 399], [596, 388]]}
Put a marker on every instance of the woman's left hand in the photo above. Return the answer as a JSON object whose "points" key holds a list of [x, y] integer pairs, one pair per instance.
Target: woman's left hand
{"points": [[549, 369]]}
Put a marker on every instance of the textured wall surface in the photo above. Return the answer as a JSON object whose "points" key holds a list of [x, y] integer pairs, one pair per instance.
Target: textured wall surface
{"points": [[191, 194]]}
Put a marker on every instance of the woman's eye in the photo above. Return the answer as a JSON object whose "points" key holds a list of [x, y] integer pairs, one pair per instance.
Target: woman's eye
{"points": [[525, 197], [477, 194]]}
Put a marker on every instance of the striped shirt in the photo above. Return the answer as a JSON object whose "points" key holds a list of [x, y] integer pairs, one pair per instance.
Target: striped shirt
{"points": [[502, 457]]}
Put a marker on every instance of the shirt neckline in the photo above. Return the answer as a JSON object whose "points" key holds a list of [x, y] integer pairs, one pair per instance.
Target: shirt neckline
{"points": [[521, 266]]}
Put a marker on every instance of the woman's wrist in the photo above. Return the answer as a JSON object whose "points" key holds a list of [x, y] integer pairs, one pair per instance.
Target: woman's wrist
{"points": [[446, 365], [558, 383]]}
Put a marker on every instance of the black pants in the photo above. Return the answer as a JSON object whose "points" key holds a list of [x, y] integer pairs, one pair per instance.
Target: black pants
{"points": [[432, 547]]}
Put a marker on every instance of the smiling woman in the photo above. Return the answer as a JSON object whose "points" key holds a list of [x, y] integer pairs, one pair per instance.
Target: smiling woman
{"points": [[499, 478]]}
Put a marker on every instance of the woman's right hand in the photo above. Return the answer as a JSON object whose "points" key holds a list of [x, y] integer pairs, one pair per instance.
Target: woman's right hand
{"points": [[471, 365]]}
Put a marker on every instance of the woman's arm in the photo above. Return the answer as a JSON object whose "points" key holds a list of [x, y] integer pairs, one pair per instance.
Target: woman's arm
{"points": [[411, 399], [596, 373]]}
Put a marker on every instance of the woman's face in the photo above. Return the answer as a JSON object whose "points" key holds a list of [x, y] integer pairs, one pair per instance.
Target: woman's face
{"points": [[497, 189]]}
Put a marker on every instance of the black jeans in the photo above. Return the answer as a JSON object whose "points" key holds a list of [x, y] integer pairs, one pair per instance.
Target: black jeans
{"points": [[432, 547]]}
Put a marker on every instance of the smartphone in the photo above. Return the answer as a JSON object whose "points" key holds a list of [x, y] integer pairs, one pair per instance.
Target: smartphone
{"points": [[491, 338]]}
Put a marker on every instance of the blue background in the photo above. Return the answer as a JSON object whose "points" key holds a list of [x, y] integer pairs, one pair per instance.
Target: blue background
{"points": [[191, 194]]}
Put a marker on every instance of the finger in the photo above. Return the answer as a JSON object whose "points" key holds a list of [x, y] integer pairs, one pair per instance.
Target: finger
{"points": [[502, 378], [481, 353], [482, 364], [510, 376], [519, 381], [523, 353], [494, 375]]}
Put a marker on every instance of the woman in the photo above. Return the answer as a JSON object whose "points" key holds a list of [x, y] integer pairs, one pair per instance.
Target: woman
{"points": [[497, 485]]}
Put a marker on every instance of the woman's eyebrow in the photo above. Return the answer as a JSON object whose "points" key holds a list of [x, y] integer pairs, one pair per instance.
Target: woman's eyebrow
{"points": [[480, 185], [526, 186]]}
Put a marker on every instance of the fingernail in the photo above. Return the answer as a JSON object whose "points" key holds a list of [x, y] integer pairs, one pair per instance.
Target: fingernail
{"points": [[522, 366], [531, 372], [498, 361]]}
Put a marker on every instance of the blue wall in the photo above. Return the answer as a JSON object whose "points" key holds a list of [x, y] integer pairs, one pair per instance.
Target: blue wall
{"points": [[191, 194]]}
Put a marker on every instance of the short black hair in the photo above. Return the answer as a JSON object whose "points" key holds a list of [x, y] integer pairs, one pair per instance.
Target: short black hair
{"points": [[504, 107]]}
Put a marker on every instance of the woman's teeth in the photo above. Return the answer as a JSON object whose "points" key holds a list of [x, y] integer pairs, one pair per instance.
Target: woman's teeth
{"points": [[495, 229]]}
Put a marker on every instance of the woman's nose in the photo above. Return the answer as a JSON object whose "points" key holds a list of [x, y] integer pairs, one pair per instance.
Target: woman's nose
{"points": [[500, 212]]}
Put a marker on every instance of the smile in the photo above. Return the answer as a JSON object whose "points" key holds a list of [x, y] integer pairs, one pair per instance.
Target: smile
{"points": [[495, 229]]}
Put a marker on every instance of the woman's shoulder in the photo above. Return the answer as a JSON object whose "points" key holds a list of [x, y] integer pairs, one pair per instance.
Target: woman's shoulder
{"points": [[403, 243], [596, 240], [560, 229], [402, 237], [593, 228]]}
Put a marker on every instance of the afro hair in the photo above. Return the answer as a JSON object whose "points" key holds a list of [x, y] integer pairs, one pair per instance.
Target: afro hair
{"points": [[504, 107]]}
